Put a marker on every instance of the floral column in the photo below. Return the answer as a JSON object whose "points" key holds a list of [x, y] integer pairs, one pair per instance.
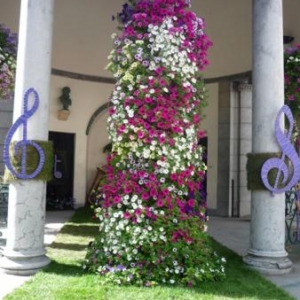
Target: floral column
{"points": [[152, 212]]}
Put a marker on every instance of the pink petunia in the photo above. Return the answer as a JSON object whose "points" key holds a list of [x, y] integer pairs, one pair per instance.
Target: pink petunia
{"points": [[191, 203], [161, 139], [145, 196], [117, 199], [140, 134], [159, 203], [173, 177], [122, 128], [127, 190], [138, 212], [126, 215]]}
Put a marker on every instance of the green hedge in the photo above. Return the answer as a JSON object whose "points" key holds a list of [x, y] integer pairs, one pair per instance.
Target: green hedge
{"points": [[254, 165]]}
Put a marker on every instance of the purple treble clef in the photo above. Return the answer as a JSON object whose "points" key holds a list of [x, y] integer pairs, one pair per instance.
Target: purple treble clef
{"points": [[24, 143], [288, 150]]}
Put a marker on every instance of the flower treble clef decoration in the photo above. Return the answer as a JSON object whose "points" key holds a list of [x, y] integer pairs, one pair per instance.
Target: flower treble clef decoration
{"points": [[283, 181], [24, 143]]}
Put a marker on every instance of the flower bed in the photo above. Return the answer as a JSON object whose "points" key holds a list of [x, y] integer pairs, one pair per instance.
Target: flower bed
{"points": [[152, 216], [8, 54]]}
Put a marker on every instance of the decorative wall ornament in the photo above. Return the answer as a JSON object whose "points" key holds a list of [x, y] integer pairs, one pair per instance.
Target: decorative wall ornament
{"points": [[66, 101], [24, 143], [284, 180], [63, 115]]}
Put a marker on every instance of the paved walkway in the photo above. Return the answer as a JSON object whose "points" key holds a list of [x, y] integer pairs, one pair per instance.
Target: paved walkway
{"points": [[231, 232], [235, 234]]}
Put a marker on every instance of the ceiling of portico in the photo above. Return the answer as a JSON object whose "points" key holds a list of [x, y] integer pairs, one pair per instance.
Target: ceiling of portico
{"points": [[82, 30]]}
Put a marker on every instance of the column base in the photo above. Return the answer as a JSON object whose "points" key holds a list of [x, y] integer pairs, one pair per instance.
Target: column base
{"points": [[269, 265], [23, 265]]}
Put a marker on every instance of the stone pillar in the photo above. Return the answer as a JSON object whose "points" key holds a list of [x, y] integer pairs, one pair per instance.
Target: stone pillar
{"points": [[267, 232], [245, 145], [224, 150], [25, 252]]}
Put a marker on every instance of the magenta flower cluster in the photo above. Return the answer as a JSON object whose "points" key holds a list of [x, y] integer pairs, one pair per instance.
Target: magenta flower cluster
{"points": [[152, 215], [8, 53]]}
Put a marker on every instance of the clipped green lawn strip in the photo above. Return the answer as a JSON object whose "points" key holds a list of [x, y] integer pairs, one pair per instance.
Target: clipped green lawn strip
{"points": [[64, 279]]}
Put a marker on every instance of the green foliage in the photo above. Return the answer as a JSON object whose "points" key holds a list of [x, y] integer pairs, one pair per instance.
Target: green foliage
{"points": [[189, 257], [254, 165], [32, 161]]}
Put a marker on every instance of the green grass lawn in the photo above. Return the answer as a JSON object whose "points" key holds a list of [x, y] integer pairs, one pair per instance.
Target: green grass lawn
{"points": [[64, 279]]}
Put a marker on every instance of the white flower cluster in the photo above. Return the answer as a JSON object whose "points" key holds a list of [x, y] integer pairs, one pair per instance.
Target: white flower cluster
{"points": [[166, 48], [123, 237], [293, 59]]}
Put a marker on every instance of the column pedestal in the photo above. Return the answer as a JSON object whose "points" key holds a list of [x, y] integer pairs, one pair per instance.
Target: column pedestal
{"points": [[267, 235], [24, 253]]}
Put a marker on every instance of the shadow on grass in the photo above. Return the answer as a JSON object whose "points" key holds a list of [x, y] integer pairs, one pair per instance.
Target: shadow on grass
{"points": [[83, 215], [80, 230], [64, 269], [64, 246]]}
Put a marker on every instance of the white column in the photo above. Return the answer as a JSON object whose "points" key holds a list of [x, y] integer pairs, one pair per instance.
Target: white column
{"points": [[25, 252], [267, 252]]}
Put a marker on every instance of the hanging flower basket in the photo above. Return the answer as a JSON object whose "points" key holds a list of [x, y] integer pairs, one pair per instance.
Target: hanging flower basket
{"points": [[8, 56]]}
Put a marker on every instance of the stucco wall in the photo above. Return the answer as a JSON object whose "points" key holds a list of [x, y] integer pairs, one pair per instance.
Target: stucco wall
{"points": [[97, 140]]}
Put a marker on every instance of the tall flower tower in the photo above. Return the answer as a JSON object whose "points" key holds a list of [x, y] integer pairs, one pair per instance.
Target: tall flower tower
{"points": [[152, 216]]}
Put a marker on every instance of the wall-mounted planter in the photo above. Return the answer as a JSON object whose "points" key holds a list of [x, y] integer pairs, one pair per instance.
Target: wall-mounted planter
{"points": [[63, 114]]}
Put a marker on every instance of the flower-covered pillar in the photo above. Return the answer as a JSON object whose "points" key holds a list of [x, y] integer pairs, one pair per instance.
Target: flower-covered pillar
{"points": [[267, 252], [25, 253], [151, 201]]}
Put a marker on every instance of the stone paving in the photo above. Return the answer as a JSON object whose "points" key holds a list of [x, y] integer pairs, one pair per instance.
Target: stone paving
{"points": [[234, 233]]}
